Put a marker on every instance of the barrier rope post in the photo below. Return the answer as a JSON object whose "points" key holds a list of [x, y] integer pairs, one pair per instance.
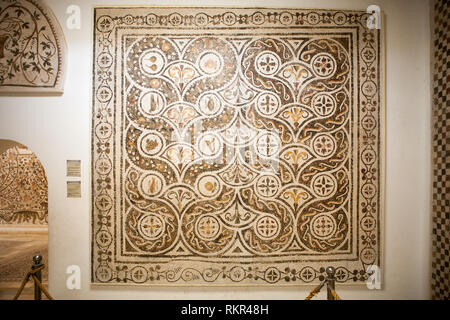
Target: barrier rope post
{"points": [[331, 280], [37, 264], [36, 274]]}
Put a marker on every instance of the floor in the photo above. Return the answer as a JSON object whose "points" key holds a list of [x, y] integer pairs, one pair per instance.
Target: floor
{"points": [[17, 248]]}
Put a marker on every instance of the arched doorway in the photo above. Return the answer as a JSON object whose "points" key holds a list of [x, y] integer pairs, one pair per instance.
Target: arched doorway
{"points": [[23, 216]]}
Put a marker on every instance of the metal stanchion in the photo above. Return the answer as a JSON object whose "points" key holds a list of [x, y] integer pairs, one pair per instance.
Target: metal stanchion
{"points": [[36, 274], [37, 264], [330, 282]]}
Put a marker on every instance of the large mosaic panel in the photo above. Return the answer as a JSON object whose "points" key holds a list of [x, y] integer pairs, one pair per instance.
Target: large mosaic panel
{"points": [[235, 146]]}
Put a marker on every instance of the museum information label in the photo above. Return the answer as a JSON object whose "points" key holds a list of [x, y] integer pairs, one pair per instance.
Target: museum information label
{"points": [[73, 189], [74, 168]]}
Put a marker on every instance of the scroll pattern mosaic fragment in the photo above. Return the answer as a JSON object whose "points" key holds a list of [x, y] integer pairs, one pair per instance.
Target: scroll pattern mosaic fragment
{"points": [[32, 48], [235, 146]]}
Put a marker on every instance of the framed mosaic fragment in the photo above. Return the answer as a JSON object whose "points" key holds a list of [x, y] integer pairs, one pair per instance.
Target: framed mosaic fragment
{"points": [[235, 146], [32, 48]]}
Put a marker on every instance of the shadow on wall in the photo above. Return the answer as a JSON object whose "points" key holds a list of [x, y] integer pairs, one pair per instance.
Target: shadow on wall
{"points": [[23, 216]]}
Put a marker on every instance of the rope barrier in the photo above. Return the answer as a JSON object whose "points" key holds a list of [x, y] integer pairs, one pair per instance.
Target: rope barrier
{"points": [[32, 273], [335, 295], [316, 290], [312, 294]]}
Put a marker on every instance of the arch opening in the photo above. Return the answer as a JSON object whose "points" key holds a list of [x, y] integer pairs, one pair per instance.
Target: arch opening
{"points": [[23, 216]]}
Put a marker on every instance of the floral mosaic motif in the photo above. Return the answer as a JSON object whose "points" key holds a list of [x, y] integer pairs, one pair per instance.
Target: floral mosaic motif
{"points": [[248, 155], [31, 51], [23, 188]]}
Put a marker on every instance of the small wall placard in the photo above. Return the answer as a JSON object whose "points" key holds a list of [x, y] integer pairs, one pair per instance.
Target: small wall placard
{"points": [[73, 189], [74, 168]]}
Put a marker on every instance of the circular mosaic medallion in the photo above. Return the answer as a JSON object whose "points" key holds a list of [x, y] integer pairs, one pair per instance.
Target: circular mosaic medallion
{"points": [[369, 88], [104, 94], [368, 123], [151, 144], [272, 275], [105, 24], [128, 19], [323, 104], [307, 274], [103, 202], [103, 130], [368, 190], [150, 226], [151, 103], [229, 18], [176, 19], [368, 255], [323, 226], [139, 274], [286, 18], [267, 227], [237, 274], [103, 238], [267, 63], [104, 60], [340, 18], [208, 227], [201, 19], [323, 145], [152, 62], [368, 223], [368, 157], [208, 186], [151, 19], [258, 18], [268, 144], [368, 54], [323, 65], [210, 145], [267, 186], [151, 185], [210, 63], [103, 166], [341, 274], [210, 104], [313, 18], [104, 274], [324, 185], [268, 103]]}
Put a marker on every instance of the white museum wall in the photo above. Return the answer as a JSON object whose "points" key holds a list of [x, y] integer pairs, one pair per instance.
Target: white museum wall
{"points": [[58, 128]]}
